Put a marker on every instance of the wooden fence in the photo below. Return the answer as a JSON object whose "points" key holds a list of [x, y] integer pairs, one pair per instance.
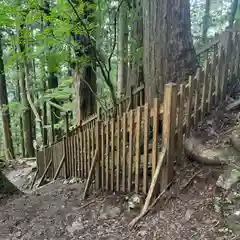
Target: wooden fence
{"points": [[118, 154]]}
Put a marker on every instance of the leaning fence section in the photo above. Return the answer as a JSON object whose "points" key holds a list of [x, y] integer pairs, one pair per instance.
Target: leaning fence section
{"points": [[136, 150]]}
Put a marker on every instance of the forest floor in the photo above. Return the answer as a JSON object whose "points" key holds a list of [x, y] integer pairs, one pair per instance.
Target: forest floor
{"points": [[195, 208]]}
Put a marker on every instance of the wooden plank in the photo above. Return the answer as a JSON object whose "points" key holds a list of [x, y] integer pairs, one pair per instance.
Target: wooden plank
{"points": [[189, 105], [107, 156], [81, 154], [112, 162], [218, 76], [124, 152], [180, 125], [65, 151], [145, 158], [169, 124], [212, 78], [103, 154], [130, 151], [71, 155], [75, 153], [118, 154], [204, 90], [152, 187], [88, 149], [44, 174], [92, 142], [85, 154], [207, 46], [78, 153], [137, 160], [90, 175], [155, 136], [59, 167], [98, 149]]}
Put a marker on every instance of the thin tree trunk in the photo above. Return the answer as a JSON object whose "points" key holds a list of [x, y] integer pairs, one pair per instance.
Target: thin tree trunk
{"points": [[206, 21], [169, 55], [20, 118], [27, 115], [233, 13], [4, 110], [123, 49]]}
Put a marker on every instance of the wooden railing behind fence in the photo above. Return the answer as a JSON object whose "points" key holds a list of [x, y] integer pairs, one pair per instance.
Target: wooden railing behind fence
{"points": [[122, 153]]}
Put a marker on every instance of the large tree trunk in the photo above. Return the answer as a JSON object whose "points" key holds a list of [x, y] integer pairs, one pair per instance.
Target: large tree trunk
{"points": [[169, 55], [4, 111], [135, 77], [85, 72], [85, 90], [123, 49]]}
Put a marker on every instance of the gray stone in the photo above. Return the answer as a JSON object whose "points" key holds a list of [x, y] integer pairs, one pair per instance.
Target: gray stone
{"points": [[18, 234], [228, 178], [135, 201], [76, 226], [109, 212], [188, 214]]}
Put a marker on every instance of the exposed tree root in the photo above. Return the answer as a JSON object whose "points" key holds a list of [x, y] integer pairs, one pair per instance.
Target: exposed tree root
{"points": [[196, 151]]}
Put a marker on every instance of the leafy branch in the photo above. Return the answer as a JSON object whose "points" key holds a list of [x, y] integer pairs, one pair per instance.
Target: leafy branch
{"points": [[106, 72]]}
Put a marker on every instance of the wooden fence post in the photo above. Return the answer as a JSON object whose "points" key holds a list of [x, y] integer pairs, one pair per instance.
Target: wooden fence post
{"points": [[169, 125], [98, 157], [66, 123]]}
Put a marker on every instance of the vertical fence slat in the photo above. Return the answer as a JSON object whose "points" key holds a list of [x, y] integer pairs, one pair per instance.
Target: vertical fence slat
{"points": [[85, 153], [169, 124], [212, 77], [92, 147], [81, 154], [130, 150], [197, 97], [189, 106], [137, 149], [88, 149], [103, 154], [112, 160], [118, 154], [107, 155], [204, 89], [75, 153], [98, 149], [218, 75], [155, 136], [124, 130], [145, 157], [180, 124]]}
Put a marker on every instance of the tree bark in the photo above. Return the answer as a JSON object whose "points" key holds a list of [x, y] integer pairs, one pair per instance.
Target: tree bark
{"points": [[85, 85], [206, 21], [233, 13], [26, 115], [169, 55], [4, 110], [136, 77], [123, 49]]}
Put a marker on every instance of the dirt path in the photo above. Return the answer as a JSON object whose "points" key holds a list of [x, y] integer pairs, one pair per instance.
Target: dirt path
{"points": [[57, 211]]}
